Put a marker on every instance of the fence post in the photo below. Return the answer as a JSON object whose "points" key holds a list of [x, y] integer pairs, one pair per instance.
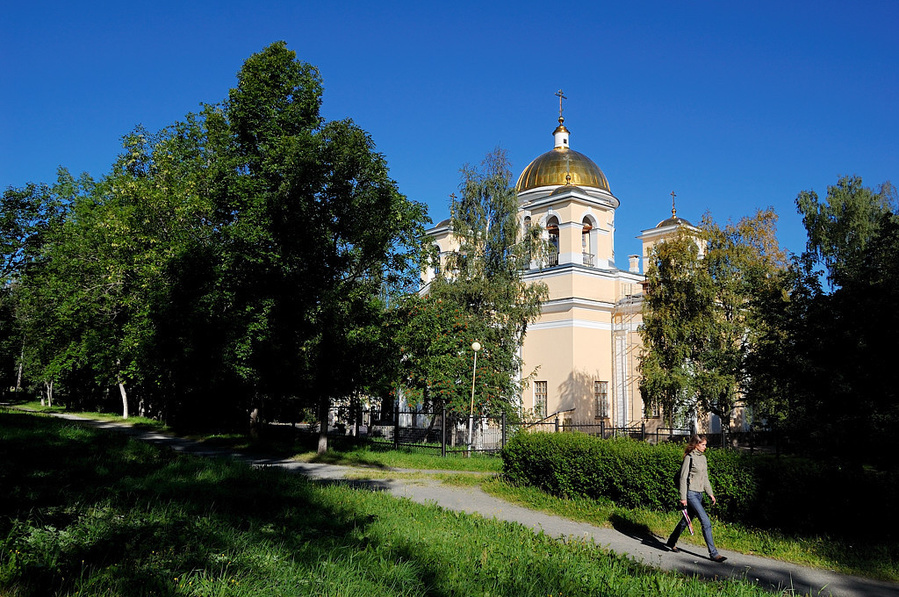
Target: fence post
{"points": [[396, 428], [557, 424], [503, 432], [643, 431], [443, 431], [602, 429]]}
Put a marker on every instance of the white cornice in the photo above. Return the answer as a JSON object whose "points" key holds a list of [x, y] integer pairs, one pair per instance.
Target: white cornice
{"points": [[544, 195], [568, 303], [584, 324], [583, 270]]}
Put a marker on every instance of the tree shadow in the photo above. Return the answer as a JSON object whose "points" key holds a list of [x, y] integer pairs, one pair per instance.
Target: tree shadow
{"points": [[93, 511], [79, 502]]}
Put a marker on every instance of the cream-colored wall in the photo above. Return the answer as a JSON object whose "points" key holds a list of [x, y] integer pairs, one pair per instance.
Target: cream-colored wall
{"points": [[570, 358], [572, 345], [573, 342]]}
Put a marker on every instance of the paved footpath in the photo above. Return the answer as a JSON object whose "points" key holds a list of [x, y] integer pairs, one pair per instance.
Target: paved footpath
{"points": [[792, 579]]}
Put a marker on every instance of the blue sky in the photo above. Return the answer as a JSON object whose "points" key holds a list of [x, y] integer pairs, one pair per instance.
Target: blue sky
{"points": [[735, 106]]}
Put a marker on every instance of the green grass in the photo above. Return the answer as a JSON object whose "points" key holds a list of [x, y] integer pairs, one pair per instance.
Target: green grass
{"points": [[143, 422], [282, 441], [91, 512], [875, 561], [404, 459], [879, 561]]}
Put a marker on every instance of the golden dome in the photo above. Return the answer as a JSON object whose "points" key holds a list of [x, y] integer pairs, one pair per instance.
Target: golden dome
{"points": [[553, 168], [561, 166]]}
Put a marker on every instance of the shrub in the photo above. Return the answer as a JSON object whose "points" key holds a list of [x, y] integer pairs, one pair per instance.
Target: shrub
{"points": [[790, 494], [631, 473]]}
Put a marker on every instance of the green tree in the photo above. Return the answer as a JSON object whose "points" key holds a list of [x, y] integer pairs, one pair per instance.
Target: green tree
{"points": [[433, 345], [744, 262], [840, 228], [677, 309], [315, 235], [838, 378], [483, 290], [99, 300], [241, 257], [701, 314], [27, 214]]}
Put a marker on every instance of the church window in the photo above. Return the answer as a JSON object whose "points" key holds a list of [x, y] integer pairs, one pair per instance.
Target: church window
{"points": [[437, 260], [586, 244], [540, 398], [601, 399], [552, 228], [527, 232]]}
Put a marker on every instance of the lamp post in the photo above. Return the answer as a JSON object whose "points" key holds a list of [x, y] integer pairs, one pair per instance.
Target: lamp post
{"points": [[475, 346]]}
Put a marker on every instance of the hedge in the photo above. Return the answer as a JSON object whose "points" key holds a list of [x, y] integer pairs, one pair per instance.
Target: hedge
{"points": [[784, 493]]}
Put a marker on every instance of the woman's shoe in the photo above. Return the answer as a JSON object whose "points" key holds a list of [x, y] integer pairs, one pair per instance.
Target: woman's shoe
{"points": [[673, 548], [719, 558]]}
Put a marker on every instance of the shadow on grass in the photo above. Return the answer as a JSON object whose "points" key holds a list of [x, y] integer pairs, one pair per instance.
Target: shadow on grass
{"points": [[82, 506], [346, 460]]}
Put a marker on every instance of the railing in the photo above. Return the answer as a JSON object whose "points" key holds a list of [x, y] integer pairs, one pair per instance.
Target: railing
{"points": [[552, 259], [447, 433], [442, 431], [588, 259]]}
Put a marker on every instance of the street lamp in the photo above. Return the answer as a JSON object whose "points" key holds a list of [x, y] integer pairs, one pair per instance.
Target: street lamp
{"points": [[475, 346]]}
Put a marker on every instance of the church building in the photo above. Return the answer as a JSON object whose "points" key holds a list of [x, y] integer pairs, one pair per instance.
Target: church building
{"points": [[585, 346]]}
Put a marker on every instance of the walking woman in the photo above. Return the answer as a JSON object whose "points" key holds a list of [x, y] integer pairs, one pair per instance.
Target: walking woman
{"points": [[694, 481]]}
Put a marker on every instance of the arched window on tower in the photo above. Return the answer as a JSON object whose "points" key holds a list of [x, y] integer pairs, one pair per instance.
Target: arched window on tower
{"points": [[587, 249], [437, 260], [526, 230], [552, 229]]}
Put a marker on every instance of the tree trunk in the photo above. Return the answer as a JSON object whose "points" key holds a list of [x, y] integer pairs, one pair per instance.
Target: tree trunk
{"points": [[255, 422], [452, 428], [323, 426], [434, 416], [19, 374], [124, 400], [47, 394]]}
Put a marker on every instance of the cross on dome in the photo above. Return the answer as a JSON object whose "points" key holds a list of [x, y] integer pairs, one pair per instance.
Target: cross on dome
{"points": [[561, 97]]}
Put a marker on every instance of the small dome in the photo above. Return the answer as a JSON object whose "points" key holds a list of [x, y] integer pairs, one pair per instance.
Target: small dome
{"points": [[673, 221]]}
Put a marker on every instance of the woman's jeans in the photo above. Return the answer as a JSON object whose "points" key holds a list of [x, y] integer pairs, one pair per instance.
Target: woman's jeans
{"points": [[695, 509]]}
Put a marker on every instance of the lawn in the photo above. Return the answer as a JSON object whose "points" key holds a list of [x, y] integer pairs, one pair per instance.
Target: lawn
{"points": [[91, 512], [877, 560]]}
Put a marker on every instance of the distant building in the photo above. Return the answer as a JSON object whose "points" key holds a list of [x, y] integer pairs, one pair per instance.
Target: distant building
{"points": [[585, 345]]}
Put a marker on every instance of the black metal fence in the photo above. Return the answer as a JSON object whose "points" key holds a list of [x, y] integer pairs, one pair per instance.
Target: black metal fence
{"points": [[604, 430], [448, 433], [443, 432]]}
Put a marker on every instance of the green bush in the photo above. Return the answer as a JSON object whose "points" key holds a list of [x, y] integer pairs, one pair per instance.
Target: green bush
{"points": [[632, 474], [790, 494]]}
